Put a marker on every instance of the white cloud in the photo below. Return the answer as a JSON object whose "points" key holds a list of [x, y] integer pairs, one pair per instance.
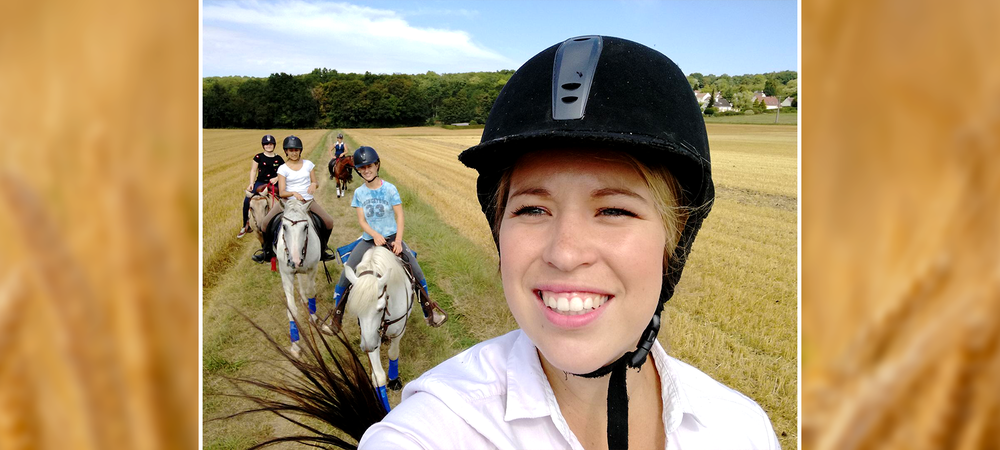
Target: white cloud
{"points": [[259, 38]]}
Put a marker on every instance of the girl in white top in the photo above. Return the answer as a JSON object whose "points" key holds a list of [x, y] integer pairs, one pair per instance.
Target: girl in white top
{"points": [[297, 179]]}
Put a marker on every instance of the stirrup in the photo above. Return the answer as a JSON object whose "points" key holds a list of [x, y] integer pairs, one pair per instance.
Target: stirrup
{"points": [[327, 255], [262, 256]]}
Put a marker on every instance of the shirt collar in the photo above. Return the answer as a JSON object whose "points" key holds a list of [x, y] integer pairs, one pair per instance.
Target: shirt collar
{"points": [[676, 403], [528, 392]]}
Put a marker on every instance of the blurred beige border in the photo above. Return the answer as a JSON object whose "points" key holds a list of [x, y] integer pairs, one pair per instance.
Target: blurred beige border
{"points": [[899, 226], [99, 239]]}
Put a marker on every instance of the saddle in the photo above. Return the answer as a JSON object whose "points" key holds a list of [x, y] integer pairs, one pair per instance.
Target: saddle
{"points": [[345, 252], [275, 222]]}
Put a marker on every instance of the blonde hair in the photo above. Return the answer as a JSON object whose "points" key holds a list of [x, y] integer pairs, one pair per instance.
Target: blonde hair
{"points": [[665, 189]]}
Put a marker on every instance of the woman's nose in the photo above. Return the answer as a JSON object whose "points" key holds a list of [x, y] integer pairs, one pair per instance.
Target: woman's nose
{"points": [[569, 243]]}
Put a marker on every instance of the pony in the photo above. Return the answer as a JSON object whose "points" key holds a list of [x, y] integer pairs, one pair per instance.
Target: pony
{"points": [[261, 201], [298, 243], [381, 297], [343, 171]]}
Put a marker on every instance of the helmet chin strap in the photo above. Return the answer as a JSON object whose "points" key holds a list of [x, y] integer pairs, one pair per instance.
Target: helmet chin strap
{"points": [[617, 387]]}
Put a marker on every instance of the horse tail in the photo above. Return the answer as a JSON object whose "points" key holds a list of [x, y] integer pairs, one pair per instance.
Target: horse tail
{"points": [[327, 383]]}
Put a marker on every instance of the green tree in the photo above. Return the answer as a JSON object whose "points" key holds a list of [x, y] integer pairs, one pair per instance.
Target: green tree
{"points": [[770, 88]]}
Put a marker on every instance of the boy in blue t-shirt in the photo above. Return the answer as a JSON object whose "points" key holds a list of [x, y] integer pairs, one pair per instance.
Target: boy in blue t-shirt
{"points": [[380, 213]]}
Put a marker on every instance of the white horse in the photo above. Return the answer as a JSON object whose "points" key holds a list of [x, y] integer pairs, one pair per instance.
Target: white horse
{"points": [[381, 298], [298, 253]]}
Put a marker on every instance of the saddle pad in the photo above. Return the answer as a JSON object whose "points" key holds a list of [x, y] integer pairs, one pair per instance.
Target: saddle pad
{"points": [[344, 252]]}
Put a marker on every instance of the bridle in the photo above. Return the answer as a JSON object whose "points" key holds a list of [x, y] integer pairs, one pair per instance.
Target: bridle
{"points": [[305, 244], [384, 328], [273, 191]]}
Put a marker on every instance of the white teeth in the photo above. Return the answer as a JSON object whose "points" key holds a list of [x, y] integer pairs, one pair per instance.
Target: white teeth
{"points": [[573, 303]]}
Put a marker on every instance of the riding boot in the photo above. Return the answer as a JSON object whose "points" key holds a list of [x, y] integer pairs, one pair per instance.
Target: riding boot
{"points": [[266, 251], [430, 307], [324, 238]]}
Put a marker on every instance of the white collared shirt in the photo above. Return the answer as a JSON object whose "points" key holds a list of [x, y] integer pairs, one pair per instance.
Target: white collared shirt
{"points": [[495, 395]]}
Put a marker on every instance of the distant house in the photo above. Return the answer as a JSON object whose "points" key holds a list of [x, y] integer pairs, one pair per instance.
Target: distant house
{"points": [[722, 104], [787, 102], [702, 98], [770, 102]]}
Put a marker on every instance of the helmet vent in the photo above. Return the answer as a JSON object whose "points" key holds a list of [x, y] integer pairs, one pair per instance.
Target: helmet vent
{"points": [[572, 75]]}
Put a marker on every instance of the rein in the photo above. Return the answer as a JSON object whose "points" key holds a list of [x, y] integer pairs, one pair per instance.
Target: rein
{"points": [[384, 329]]}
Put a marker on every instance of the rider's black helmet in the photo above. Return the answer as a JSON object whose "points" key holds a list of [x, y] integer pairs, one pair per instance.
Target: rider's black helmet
{"points": [[601, 92], [267, 139], [340, 135], [364, 156], [292, 142]]}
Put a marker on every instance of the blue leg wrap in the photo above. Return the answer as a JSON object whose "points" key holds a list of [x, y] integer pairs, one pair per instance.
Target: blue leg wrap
{"points": [[312, 305], [393, 369], [385, 398], [294, 331], [337, 292]]}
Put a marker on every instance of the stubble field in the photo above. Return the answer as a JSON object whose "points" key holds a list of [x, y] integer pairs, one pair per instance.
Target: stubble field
{"points": [[734, 314]]}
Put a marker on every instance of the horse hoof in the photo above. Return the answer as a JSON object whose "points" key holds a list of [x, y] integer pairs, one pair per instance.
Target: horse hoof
{"points": [[326, 330], [394, 385], [295, 351]]}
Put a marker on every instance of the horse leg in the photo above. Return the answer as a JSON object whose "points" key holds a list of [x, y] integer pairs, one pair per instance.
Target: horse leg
{"points": [[288, 283], [378, 376], [394, 382], [307, 287]]}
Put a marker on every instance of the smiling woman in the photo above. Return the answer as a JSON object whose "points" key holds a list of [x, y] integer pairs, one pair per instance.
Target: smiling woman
{"points": [[595, 181]]}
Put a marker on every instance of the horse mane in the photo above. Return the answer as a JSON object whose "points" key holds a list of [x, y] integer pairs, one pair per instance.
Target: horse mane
{"points": [[295, 207], [364, 293]]}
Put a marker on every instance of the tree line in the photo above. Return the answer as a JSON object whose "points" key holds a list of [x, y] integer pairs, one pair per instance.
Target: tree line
{"points": [[325, 98]]}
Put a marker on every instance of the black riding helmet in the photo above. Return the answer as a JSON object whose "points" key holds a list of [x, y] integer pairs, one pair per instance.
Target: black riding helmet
{"points": [[292, 142], [267, 139], [364, 156], [607, 93]]}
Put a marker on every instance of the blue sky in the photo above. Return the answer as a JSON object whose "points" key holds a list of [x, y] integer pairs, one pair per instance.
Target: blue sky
{"points": [[258, 38]]}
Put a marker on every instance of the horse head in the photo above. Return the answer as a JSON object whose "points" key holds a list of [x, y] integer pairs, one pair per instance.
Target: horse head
{"points": [[368, 302], [295, 232]]}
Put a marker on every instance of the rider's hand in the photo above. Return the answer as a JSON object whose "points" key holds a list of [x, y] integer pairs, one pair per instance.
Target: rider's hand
{"points": [[249, 187], [274, 181], [312, 188], [298, 196], [379, 239], [397, 247]]}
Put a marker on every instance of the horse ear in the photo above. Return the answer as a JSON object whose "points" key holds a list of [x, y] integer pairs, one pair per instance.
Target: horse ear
{"points": [[351, 276], [307, 204]]}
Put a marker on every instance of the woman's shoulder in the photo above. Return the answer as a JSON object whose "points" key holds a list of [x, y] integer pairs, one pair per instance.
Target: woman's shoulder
{"points": [[716, 405], [464, 395], [482, 365]]}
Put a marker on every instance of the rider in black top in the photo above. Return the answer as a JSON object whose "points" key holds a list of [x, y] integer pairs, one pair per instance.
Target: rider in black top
{"points": [[264, 170]]}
